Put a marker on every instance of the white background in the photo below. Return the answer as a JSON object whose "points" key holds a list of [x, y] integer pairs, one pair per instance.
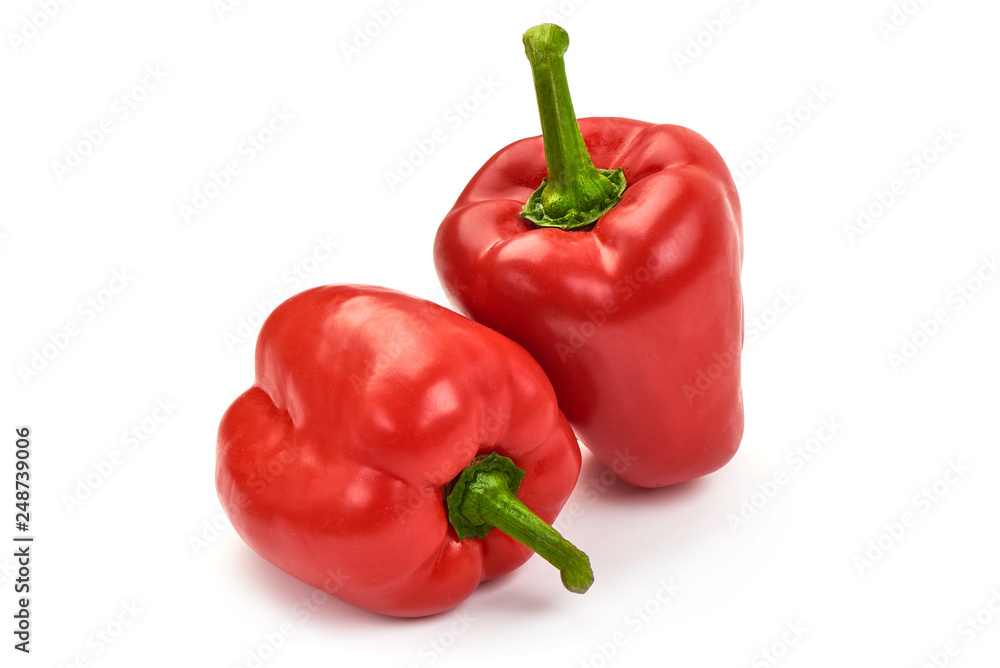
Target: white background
{"points": [[820, 570]]}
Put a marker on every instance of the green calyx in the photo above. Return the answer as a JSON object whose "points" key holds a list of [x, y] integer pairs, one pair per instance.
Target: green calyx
{"points": [[535, 211], [575, 194], [484, 497]]}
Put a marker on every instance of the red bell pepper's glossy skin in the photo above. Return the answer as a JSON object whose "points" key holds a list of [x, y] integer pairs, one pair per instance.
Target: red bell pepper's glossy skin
{"points": [[637, 320], [367, 402]]}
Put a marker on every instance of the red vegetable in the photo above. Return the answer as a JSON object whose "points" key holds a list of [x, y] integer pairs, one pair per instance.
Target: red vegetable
{"points": [[368, 404], [624, 282]]}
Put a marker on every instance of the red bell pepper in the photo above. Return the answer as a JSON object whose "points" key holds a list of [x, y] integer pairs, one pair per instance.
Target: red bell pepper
{"points": [[623, 282], [382, 440]]}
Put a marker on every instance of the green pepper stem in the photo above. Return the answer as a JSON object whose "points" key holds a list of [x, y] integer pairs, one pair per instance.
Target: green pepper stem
{"points": [[575, 193], [483, 496]]}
